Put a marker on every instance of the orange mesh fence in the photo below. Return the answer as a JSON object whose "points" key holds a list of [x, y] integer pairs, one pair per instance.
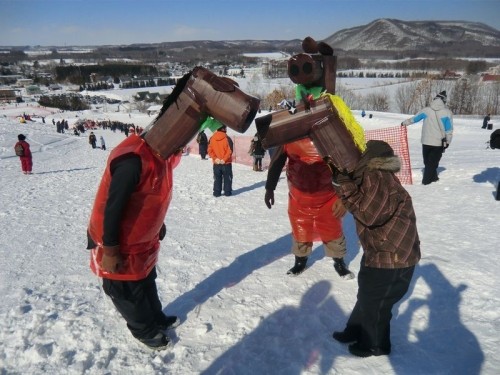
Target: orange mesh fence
{"points": [[396, 136], [241, 145]]}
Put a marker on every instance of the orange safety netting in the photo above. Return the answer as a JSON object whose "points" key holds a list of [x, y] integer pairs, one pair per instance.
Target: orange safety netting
{"points": [[396, 136]]}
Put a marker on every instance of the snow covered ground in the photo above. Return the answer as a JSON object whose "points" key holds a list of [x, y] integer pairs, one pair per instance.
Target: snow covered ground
{"points": [[222, 269]]}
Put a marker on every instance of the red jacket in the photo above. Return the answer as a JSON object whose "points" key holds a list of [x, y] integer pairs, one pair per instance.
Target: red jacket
{"points": [[26, 147], [143, 216]]}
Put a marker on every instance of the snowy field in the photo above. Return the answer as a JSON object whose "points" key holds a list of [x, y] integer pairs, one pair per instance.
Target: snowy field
{"points": [[223, 264]]}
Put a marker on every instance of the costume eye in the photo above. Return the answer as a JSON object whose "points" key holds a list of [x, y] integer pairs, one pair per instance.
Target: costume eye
{"points": [[307, 68], [294, 70]]}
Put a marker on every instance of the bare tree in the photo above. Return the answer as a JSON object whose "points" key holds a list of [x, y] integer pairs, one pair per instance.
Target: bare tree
{"points": [[405, 97], [377, 101]]}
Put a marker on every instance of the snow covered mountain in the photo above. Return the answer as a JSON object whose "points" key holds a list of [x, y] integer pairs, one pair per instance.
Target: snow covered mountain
{"points": [[397, 35]]}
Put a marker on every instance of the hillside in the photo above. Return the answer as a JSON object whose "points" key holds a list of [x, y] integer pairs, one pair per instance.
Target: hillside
{"points": [[436, 37]]}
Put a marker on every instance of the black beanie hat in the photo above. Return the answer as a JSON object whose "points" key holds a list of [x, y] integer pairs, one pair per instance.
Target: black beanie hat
{"points": [[442, 96], [21, 137]]}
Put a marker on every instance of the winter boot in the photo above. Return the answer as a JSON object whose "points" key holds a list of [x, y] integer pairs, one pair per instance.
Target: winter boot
{"points": [[341, 268], [299, 267], [158, 342], [166, 322]]}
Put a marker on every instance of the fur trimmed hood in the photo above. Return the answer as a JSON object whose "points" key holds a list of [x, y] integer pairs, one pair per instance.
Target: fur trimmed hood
{"points": [[387, 163]]}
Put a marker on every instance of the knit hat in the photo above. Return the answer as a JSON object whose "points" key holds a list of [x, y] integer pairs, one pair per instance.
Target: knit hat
{"points": [[442, 96], [21, 137]]}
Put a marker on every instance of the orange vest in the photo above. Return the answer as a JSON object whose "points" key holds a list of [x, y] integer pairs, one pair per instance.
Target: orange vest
{"points": [[311, 194], [143, 216]]}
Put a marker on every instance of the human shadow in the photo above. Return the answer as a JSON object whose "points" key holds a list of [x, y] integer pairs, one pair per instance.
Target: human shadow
{"points": [[289, 341], [65, 170], [491, 175], [244, 189], [256, 185], [445, 345], [226, 277]]}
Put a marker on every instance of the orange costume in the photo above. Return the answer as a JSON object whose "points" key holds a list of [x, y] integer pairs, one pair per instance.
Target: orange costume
{"points": [[311, 194], [139, 242]]}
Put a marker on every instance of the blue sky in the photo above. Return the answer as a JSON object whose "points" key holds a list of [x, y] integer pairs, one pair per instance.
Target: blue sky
{"points": [[100, 22]]}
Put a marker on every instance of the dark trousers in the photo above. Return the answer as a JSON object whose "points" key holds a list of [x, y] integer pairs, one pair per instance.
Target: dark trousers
{"points": [[379, 289], [257, 163], [138, 303], [203, 150], [432, 156], [223, 179]]}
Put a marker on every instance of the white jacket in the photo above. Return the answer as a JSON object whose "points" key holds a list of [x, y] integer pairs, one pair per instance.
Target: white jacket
{"points": [[438, 123]]}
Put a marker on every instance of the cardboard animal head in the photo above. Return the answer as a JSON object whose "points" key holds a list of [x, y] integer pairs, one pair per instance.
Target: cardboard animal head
{"points": [[317, 66], [197, 95], [329, 123]]}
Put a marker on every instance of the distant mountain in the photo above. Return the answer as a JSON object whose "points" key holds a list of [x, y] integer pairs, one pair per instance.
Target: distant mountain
{"points": [[378, 39], [431, 36]]}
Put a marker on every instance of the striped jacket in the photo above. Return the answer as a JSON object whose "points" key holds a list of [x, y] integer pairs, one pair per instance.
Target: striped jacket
{"points": [[383, 211]]}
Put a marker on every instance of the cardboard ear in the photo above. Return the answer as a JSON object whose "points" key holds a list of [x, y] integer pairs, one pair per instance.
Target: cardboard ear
{"points": [[324, 49], [309, 45]]}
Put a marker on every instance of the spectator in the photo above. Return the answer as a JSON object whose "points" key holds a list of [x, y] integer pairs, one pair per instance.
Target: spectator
{"points": [[22, 149], [103, 144], [93, 140], [220, 151], [257, 151], [202, 140], [437, 132], [387, 230], [486, 120]]}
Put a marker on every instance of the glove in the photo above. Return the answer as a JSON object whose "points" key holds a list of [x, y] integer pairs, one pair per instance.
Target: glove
{"points": [[339, 177], [111, 259], [406, 122], [269, 198], [445, 144], [338, 209], [163, 232]]}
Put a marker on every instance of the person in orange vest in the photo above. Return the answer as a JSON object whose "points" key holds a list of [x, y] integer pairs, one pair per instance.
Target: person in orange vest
{"points": [[125, 228]]}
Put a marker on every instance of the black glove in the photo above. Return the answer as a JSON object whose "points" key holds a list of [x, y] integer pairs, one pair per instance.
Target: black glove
{"points": [[163, 232], [340, 177], [445, 144], [269, 198]]}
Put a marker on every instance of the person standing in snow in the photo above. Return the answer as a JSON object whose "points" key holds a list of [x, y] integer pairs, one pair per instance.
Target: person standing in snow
{"points": [[124, 231], [257, 152], [103, 144], [387, 229], [93, 140], [437, 132], [202, 140], [486, 120], [314, 210], [22, 149], [220, 151]]}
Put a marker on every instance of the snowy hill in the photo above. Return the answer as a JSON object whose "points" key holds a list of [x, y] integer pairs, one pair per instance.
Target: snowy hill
{"points": [[222, 269], [397, 35]]}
